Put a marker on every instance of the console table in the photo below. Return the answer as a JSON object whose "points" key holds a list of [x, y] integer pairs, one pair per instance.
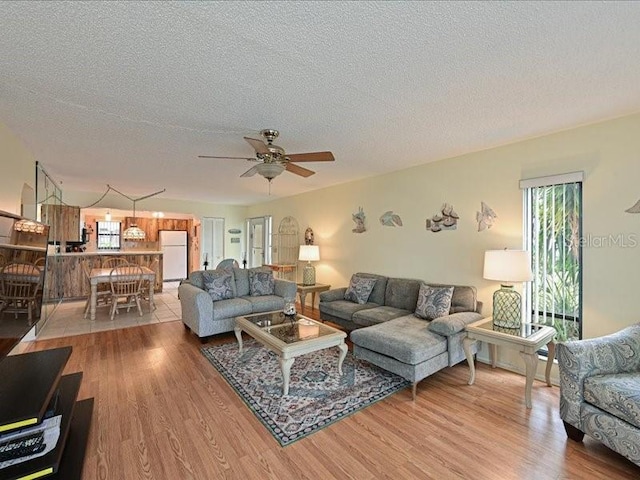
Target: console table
{"points": [[312, 289], [527, 339]]}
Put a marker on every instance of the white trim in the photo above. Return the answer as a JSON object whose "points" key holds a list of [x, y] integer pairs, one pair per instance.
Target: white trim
{"points": [[552, 180]]}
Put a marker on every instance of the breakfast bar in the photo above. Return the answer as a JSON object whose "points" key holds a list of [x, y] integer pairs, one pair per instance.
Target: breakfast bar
{"points": [[66, 279]]}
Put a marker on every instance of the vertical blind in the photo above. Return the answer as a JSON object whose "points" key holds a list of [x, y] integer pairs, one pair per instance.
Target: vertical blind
{"points": [[553, 233]]}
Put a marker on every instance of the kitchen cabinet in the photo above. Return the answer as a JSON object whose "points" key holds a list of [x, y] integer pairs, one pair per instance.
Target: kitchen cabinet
{"points": [[151, 226]]}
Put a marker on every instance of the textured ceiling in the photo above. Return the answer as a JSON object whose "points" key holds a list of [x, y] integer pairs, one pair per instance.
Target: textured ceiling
{"points": [[130, 93]]}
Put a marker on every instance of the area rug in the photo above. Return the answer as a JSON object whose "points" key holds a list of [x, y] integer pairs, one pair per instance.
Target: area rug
{"points": [[318, 395]]}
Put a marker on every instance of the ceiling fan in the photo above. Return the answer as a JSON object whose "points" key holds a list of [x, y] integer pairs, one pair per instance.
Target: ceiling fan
{"points": [[272, 159]]}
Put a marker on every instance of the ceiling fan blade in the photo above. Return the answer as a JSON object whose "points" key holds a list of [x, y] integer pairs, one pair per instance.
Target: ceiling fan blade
{"points": [[258, 145], [311, 157], [251, 172], [230, 158], [298, 170]]}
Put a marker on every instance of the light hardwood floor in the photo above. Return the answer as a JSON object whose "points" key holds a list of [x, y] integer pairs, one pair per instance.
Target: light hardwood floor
{"points": [[163, 412]]}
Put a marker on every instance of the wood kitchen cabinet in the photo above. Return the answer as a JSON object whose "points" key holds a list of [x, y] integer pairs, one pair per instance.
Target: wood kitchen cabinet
{"points": [[64, 221], [151, 226]]}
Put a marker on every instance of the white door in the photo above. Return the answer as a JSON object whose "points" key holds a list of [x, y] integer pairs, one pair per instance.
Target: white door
{"points": [[258, 241], [212, 241]]}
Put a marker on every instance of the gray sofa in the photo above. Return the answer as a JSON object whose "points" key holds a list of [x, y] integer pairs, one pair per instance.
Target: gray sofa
{"points": [[600, 390], [385, 331], [205, 317]]}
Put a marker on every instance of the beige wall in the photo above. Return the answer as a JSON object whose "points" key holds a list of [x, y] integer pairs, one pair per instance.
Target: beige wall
{"points": [[608, 153], [17, 169]]}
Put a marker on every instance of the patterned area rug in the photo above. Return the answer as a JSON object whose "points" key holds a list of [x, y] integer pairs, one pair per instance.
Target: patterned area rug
{"points": [[318, 395]]}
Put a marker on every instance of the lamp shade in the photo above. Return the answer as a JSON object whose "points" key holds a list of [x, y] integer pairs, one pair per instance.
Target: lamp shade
{"points": [[507, 266], [309, 253], [133, 233]]}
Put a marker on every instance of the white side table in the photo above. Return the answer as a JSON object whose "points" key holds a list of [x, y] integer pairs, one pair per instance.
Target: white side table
{"points": [[527, 340], [302, 290]]}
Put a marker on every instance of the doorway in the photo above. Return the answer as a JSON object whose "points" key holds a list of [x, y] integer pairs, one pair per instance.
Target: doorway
{"points": [[212, 241], [258, 241]]}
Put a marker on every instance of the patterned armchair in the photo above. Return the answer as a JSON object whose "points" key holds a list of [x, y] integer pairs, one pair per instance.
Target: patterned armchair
{"points": [[600, 390]]}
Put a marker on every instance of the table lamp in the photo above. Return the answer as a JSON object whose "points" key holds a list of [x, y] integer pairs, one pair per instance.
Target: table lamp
{"points": [[309, 253], [507, 267]]}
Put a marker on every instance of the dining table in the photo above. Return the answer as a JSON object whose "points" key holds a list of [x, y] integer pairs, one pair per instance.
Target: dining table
{"points": [[103, 275]]}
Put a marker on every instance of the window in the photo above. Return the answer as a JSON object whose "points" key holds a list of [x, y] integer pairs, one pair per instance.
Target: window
{"points": [[109, 235], [553, 232]]}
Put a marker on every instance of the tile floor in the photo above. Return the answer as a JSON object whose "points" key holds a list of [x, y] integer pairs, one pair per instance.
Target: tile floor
{"points": [[67, 319]]}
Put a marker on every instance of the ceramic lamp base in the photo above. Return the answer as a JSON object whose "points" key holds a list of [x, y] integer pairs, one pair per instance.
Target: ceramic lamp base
{"points": [[309, 275]]}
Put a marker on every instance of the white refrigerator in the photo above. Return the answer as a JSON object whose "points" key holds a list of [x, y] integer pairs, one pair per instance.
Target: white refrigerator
{"points": [[173, 244]]}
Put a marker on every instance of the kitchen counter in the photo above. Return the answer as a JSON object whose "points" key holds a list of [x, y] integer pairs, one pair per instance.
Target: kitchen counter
{"points": [[66, 279]]}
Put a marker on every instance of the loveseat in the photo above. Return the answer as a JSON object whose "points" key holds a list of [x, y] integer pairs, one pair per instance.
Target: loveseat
{"points": [[211, 299], [386, 331], [600, 390]]}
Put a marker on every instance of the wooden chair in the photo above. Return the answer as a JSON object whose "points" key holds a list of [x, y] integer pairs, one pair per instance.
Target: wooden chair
{"points": [[103, 293], [126, 288], [112, 262], [19, 284], [227, 263]]}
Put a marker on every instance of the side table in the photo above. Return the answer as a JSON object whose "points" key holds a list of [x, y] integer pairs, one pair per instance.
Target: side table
{"points": [[312, 289], [527, 340]]}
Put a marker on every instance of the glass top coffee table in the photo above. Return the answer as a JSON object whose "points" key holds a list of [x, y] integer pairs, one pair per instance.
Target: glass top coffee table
{"points": [[290, 337], [527, 339]]}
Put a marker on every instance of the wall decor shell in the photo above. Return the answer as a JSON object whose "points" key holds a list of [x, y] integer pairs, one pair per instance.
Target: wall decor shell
{"points": [[445, 219], [634, 209], [390, 219], [359, 218], [486, 217]]}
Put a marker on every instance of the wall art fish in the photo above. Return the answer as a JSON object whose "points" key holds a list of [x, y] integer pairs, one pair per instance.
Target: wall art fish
{"points": [[390, 219], [359, 219], [486, 217]]}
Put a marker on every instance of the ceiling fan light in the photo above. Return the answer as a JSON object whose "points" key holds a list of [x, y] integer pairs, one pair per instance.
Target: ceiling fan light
{"points": [[270, 170]]}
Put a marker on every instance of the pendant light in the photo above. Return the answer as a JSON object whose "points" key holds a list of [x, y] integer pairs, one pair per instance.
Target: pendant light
{"points": [[134, 232]]}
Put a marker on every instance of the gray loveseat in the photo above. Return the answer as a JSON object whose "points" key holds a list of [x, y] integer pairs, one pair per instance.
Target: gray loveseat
{"points": [[385, 331], [205, 317], [600, 390]]}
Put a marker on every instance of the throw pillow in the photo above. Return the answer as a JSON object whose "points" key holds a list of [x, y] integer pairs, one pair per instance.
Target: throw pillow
{"points": [[219, 284], [433, 302], [359, 289], [261, 283]]}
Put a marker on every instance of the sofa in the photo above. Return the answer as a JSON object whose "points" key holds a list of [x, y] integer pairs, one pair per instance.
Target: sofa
{"points": [[600, 390], [211, 299], [386, 331]]}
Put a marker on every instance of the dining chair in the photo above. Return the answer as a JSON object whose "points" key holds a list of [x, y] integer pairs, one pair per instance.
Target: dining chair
{"points": [[227, 263], [112, 262], [19, 284], [126, 288], [103, 292]]}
